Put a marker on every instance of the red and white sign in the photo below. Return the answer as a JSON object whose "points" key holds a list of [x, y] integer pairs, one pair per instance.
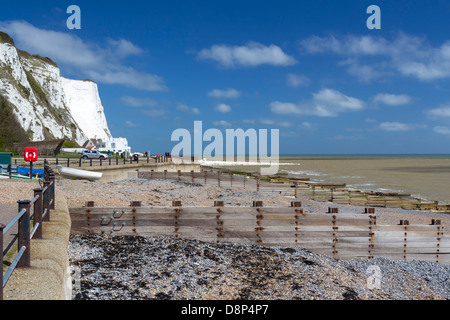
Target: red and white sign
{"points": [[30, 154]]}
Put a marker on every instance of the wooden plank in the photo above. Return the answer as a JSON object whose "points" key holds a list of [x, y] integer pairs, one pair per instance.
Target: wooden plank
{"points": [[267, 212], [412, 227], [234, 224], [409, 239], [152, 210]]}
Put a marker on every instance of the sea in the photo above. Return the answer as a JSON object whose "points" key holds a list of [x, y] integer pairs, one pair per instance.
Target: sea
{"points": [[425, 176]]}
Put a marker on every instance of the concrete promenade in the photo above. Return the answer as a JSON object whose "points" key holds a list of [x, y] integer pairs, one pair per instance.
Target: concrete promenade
{"points": [[48, 278]]}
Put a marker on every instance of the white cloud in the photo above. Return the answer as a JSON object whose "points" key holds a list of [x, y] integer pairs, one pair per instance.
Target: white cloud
{"points": [[130, 124], [251, 55], [351, 45], [124, 48], [325, 103], [147, 106], [442, 130], [223, 108], [271, 122], [138, 102], [395, 126], [229, 93], [99, 62], [306, 125], [222, 123], [296, 80], [408, 55], [440, 112], [285, 108], [187, 109], [392, 99], [364, 72], [153, 112]]}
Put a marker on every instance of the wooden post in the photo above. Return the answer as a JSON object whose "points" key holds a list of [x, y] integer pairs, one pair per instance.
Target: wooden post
{"points": [[23, 239], [405, 245], [335, 229], [46, 199], [257, 203], [135, 204], [372, 223], [218, 179], [333, 210], [439, 234], [52, 189], [89, 204], [38, 208]]}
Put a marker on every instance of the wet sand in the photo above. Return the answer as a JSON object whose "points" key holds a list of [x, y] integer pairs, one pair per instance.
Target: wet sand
{"points": [[425, 177]]}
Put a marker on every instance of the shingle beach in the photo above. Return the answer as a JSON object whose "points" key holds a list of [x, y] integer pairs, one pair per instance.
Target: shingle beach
{"points": [[133, 267]]}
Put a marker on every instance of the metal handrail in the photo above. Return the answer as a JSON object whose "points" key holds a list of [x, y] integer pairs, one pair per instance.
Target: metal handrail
{"points": [[34, 230], [14, 220], [13, 265], [36, 198], [44, 213]]}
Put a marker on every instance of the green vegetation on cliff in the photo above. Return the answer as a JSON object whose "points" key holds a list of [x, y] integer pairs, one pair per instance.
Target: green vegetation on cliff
{"points": [[10, 129], [5, 38]]}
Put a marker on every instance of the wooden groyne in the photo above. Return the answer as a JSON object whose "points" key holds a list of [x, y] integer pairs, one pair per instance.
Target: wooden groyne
{"points": [[297, 188], [340, 235]]}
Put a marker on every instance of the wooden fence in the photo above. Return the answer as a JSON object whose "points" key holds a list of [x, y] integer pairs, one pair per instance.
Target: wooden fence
{"points": [[206, 177], [340, 235], [325, 192]]}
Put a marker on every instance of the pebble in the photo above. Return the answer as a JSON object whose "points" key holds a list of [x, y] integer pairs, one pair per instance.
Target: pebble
{"points": [[134, 268]]}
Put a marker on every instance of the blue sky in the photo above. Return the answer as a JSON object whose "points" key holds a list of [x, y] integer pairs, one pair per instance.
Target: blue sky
{"points": [[311, 69]]}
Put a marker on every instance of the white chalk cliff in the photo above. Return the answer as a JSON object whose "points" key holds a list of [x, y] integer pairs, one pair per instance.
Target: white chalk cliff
{"points": [[47, 105]]}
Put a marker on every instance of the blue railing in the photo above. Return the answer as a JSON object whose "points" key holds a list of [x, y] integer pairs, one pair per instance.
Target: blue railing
{"points": [[41, 204]]}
